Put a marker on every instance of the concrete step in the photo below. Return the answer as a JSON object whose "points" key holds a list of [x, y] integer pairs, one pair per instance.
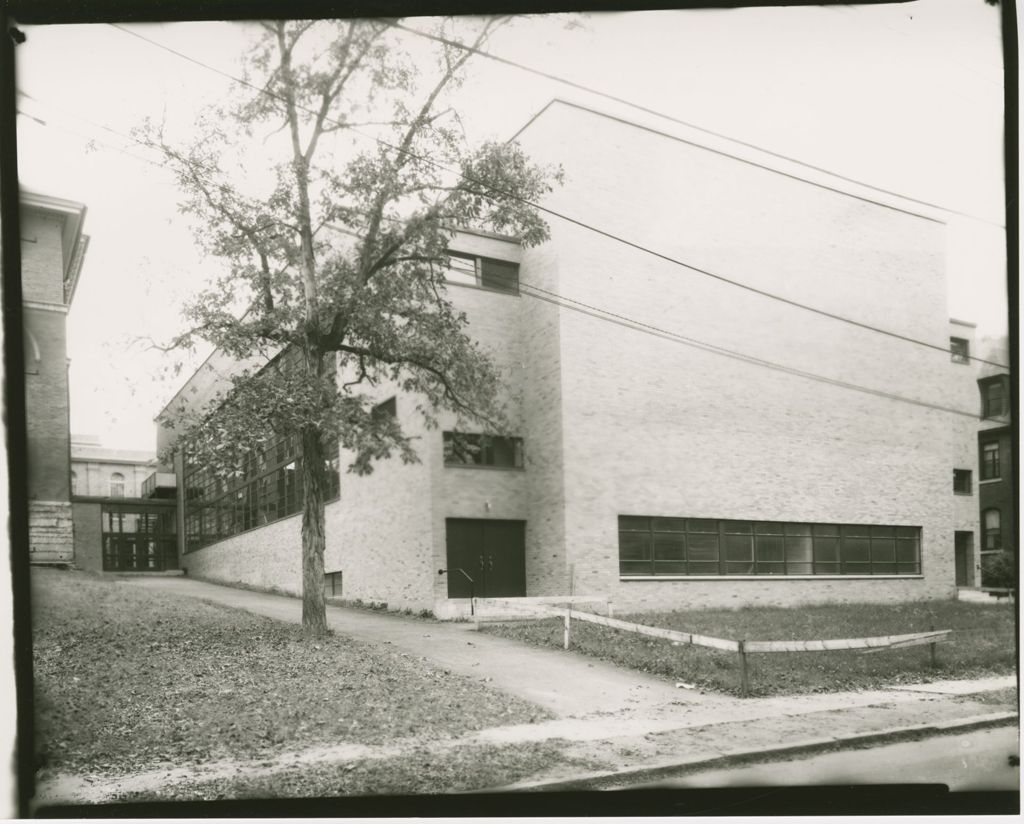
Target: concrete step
{"points": [[980, 596], [166, 573]]}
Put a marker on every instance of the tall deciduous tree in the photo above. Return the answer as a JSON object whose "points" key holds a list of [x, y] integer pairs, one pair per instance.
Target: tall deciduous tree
{"points": [[342, 258]]}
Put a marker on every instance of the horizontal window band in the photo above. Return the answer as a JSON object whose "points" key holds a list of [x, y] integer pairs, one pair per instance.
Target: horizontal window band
{"points": [[509, 292], [484, 466], [250, 529], [907, 576]]}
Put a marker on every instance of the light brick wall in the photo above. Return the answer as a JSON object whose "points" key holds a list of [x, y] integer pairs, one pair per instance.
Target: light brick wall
{"points": [[93, 477], [378, 535], [547, 570], [269, 557], [653, 427], [620, 422], [963, 395]]}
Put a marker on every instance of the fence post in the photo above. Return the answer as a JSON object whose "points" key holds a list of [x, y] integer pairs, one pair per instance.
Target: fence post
{"points": [[931, 647], [744, 681], [566, 630]]}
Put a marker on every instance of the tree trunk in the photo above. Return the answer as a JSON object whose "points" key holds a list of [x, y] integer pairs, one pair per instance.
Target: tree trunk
{"points": [[314, 613]]}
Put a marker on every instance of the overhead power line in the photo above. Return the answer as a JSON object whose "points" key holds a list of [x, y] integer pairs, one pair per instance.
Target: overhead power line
{"points": [[646, 109], [572, 220], [89, 139], [649, 329]]}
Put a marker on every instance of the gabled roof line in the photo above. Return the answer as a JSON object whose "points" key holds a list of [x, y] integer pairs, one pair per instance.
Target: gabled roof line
{"points": [[722, 152]]}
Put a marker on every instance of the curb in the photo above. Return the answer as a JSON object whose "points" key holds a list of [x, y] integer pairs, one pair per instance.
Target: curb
{"points": [[609, 780]]}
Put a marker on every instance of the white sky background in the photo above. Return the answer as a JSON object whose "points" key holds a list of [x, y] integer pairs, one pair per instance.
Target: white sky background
{"points": [[907, 97]]}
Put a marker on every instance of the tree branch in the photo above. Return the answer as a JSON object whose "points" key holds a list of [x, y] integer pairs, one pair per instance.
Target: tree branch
{"points": [[438, 374], [362, 374]]}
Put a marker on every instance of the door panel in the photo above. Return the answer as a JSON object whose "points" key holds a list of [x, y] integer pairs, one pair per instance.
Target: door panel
{"points": [[962, 558], [491, 552], [505, 574], [465, 547]]}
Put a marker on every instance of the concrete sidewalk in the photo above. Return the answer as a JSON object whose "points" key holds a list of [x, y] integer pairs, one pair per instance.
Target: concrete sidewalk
{"points": [[621, 720]]}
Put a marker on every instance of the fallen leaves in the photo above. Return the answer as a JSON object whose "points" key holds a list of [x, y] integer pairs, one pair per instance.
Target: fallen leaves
{"points": [[128, 679]]}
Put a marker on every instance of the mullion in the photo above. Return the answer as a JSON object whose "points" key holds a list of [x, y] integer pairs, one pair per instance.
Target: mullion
{"points": [[650, 523]]}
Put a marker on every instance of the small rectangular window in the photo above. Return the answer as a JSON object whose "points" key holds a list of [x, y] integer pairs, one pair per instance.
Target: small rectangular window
{"points": [[994, 397], [990, 461], [468, 449], [499, 274], [992, 529], [486, 273], [962, 481], [959, 350]]}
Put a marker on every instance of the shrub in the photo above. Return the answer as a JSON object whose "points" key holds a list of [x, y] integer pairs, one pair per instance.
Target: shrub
{"points": [[999, 570]]}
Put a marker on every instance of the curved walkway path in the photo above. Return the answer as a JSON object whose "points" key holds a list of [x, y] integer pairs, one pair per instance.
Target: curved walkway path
{"points": [[626, 725], [573, 687]]}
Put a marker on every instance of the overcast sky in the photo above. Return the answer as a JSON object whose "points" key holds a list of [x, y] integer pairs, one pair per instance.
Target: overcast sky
{"points": [[907, 97]]}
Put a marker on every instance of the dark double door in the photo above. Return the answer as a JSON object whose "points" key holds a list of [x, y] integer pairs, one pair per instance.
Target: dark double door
{"points": [[492, 553], [139, 536]]}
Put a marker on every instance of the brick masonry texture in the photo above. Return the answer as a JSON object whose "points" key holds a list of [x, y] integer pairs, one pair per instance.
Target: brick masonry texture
{"points": [[616, 422], [46, 391], [999, 494], [46, 399], [51, 539], [42, 257], [652, 427], [93, 477], [269, 557]]}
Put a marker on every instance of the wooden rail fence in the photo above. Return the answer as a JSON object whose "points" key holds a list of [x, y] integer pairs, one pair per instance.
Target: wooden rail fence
{"points": [[547, 609]]}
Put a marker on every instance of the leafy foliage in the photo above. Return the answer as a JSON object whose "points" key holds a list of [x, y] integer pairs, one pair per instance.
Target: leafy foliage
{"points": [[1000, 570], [340, 254]]}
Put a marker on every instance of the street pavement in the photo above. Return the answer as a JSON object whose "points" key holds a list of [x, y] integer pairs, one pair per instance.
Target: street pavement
{"points": [[978, 761], [624, 721]]}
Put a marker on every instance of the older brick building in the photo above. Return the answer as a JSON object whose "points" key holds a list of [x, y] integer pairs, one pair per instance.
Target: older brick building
{"points": [[677, 440], [99, 471], [997, 498], [52, 250]]}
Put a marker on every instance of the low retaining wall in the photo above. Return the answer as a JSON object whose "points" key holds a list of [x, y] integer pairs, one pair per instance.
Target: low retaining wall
{"points": [[50, 532]]}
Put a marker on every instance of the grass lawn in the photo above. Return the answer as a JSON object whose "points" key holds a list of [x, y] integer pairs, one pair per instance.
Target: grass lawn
{"points": [[128, 680], [982, 644]]}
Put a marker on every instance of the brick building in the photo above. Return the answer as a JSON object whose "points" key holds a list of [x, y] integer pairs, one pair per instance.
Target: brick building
{"points": [[996, 496], [660, 470], [52, 250], [99, 471]]}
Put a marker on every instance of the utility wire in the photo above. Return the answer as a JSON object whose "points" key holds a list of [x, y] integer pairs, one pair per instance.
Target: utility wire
{"points": [[639, 326], [89, 139], [598, 313], [595, 91], [538, 293], [574, 221]]}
